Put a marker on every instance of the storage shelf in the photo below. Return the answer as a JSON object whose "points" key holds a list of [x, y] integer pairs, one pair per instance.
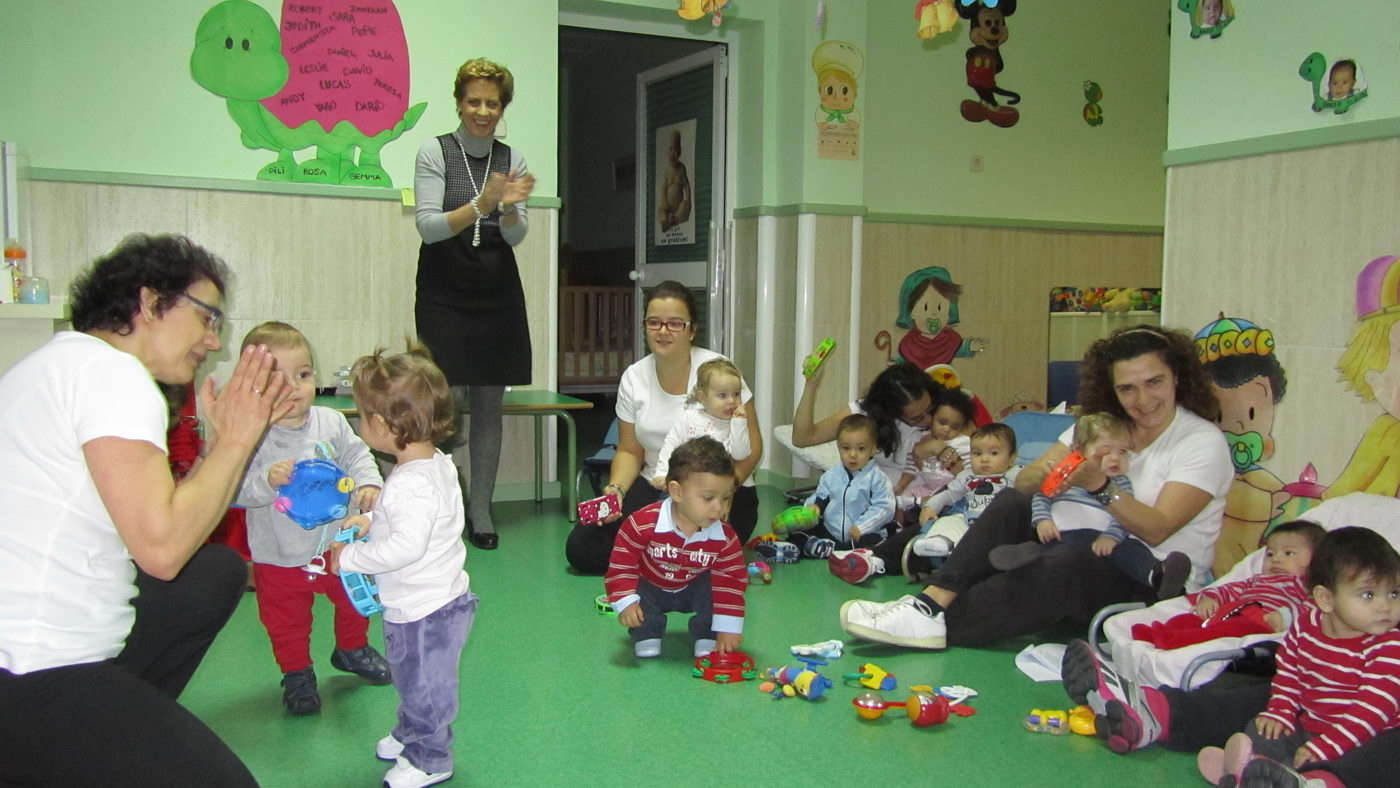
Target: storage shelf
{"points": [[48, 311]]}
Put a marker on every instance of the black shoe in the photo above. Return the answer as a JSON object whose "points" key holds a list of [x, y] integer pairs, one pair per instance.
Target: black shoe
{"points": [[1169, 577], [486, 541], [365, 662], [299, 693]]}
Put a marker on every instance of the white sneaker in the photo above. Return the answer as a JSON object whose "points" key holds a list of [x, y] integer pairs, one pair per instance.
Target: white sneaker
{"points": [[646, 649], [703, 646], [405, 775], [901, 623], [936, 546], [855, 566], [388, 748]]}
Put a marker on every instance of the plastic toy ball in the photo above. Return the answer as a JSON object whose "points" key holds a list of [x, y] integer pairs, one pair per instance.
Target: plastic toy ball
{"points": [[871, 705], [1057, 481], [318, 493], [729, 668], [762, 571], [361, 588]]}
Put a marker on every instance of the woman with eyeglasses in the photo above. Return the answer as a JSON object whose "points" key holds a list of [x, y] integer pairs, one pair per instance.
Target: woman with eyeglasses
{"points": [[470, 191], [650, 398], [94, 654]]}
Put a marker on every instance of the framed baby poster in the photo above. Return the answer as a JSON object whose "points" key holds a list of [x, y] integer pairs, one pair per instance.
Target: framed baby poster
{"points": [[675, 159]]}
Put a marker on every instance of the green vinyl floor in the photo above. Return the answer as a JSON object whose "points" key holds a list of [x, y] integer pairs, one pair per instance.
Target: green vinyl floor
{"points": [[551, 695]]}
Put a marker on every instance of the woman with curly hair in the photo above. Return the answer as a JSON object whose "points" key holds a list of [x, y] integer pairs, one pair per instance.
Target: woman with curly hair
{"points": [[1180, 472]]}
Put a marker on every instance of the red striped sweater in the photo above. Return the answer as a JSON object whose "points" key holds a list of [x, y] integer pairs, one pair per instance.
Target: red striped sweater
{"points": [[649, 546], [1344, 691], [1272, 592]]}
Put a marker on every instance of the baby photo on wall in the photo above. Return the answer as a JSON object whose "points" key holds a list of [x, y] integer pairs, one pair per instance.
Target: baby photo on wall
{"points": [[1336, 85], [675, 160], [1208, 17]]}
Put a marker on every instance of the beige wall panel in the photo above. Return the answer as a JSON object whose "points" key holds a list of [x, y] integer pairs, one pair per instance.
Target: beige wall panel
{"points": [[339, 269], [744, 281], [1279, 239], [832, 311], [1006, 275]]}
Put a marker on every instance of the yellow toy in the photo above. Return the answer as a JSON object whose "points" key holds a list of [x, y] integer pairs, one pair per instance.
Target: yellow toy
{"points": [[1081, 721], [871, 676], [1047, 721], [692, 10], [935, 16]]}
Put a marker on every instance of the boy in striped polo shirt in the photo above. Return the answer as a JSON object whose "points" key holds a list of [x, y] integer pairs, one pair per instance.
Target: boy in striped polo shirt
{"points": [[678, 555], [1338, 680]]}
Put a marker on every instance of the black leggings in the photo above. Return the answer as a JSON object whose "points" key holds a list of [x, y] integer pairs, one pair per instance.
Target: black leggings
{"points": [[116, 722], [1208, 716], [1066, 582], [589, 546]]}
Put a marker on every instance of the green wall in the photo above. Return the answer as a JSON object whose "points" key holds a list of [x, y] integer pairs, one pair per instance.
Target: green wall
{"points": [[1050, 166], [1244, 85]]}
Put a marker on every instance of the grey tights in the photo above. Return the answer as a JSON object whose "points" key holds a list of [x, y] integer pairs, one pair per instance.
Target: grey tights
{"points": [[481, 451]]}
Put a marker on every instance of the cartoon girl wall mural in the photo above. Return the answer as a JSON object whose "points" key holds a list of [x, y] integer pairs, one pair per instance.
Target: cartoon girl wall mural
{"points": [[928, 307], [1249, 382], [1370, 366]]}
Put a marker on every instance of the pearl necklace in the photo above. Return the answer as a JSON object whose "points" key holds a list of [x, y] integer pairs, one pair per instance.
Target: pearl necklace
{"points": [[476, 230]]}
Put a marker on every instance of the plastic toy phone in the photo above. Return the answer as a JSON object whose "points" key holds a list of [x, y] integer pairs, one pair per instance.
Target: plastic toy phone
{"points": [[593, 511], [1057, 481], [811, 363]]}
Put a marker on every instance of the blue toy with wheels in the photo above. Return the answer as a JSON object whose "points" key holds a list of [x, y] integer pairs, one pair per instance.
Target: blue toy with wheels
{"points": [[318, 493], [361, 588]]}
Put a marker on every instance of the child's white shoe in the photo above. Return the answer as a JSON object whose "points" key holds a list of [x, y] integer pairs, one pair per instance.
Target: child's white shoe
{"points": [[933, 546], [388, 748], [703, 646], [646, 649], [405, 775]]}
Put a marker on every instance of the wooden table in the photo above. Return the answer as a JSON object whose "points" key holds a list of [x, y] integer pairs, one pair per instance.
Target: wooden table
{"points": [[523, 402]]}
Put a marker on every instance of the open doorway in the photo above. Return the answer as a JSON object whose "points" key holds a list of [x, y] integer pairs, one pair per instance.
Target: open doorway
{"points": [[600, 186]]}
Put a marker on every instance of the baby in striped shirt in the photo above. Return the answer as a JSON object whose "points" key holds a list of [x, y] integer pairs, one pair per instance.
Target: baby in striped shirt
{"points": [[1338, 680]]}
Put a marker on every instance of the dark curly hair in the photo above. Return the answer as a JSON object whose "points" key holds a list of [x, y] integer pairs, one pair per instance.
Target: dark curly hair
{"points": [[107, 297], [1231, 372], [893, 389], [1176, 349], [701, 454]]}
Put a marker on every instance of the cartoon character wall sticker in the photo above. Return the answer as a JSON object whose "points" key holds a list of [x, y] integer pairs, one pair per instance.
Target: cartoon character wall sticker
{"points": [[988, 31], [1208, 17], [348, 92], [1249, 381], [1370, 366], [837, 65], [691, 10], [1336, 86], [935, 17], [1093, 113], [928, 308]]}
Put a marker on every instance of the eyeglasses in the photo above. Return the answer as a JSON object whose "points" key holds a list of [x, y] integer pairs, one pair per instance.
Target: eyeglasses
{"points": [[655, 324], [214, 317]]}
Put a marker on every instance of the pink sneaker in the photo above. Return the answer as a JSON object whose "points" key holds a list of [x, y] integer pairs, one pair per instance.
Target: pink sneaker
{"points": [[855, 566]]}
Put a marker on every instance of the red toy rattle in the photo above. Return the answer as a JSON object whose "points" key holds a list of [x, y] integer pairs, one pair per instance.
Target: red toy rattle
{"points": [[925, 707], [1057, 481]]}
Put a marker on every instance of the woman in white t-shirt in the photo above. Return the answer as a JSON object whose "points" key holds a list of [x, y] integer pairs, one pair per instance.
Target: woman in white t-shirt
{"points": [[1180, 470], [650, 398], [88, 491]]}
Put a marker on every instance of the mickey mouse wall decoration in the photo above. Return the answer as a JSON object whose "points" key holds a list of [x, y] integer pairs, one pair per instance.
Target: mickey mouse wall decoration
{"points": [[987, 31]]}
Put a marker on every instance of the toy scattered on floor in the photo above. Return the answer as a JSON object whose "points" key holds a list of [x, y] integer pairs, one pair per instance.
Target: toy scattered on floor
{"points": [[360, 587], [1057, 481], [595, 510], [794, 518], [827, 649], [762, 571], [812, 363], [872, 676], [792, 681], [603, 606], [1049, 721], [924, 707], [778, 552], [317, 493], [730, 667], [1078, 720]]}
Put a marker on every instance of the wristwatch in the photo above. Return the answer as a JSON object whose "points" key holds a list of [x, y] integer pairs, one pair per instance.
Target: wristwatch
{"points": [[1108, 494]]}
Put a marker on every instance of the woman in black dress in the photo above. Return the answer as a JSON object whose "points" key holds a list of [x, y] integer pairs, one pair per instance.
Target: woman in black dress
{"points": [[470, 190]]}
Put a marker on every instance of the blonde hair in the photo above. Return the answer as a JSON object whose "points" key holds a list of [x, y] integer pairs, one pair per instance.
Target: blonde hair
{"points": [[409, 392], [1089, 428], [276, 334], [707, 372], [481, 68], [1369, 349]]}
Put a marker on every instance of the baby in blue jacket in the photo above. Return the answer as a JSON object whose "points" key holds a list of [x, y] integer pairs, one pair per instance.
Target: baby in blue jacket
{"points": [[855, 499]]}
